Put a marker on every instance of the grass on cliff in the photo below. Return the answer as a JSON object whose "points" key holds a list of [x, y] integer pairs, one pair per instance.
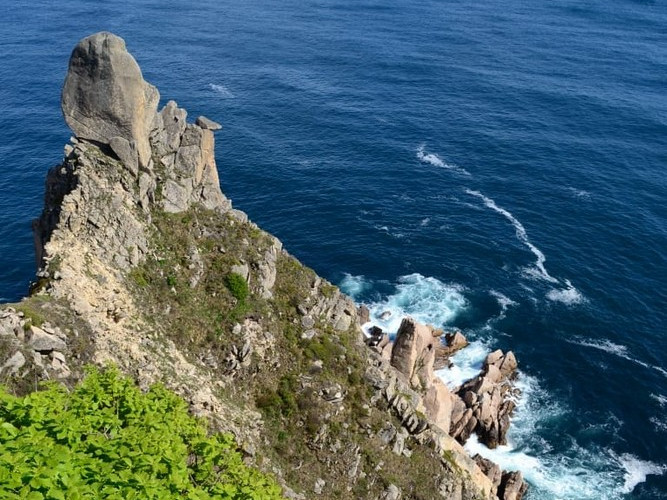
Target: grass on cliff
{"points": [[192, 293], [107, 439], [189, 286]]}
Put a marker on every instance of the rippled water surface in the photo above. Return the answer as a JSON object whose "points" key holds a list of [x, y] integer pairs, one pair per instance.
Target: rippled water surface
{"points": [[495, 166]]}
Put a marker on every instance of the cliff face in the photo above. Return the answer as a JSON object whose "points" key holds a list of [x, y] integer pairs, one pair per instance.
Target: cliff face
{"points": [[144, 263]]}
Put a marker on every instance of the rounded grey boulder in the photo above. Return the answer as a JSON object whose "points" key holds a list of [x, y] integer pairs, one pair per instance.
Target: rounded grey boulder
{"points": [[105, 95]]}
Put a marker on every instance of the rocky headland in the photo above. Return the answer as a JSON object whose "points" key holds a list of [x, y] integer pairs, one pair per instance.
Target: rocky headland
{"points": [[143, 262]]}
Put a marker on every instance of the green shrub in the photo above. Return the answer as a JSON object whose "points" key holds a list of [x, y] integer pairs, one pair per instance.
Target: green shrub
{"points": [[281, 401], [108, 440], [238, 286]]}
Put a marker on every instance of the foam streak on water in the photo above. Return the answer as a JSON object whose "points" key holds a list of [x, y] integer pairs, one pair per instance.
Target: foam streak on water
{"points": [[568, 295], [434, 160], [221, 90], [520, 234], [616, 349]]}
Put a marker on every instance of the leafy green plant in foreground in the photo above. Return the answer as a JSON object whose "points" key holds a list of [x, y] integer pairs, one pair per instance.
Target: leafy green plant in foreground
{"points": [[107, 439]]}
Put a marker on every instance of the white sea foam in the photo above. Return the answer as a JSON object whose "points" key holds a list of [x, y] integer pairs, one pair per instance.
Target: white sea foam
{"points": [[425, 221], [660, 398], [466, 364], [426, 299], [617, 349], [504, 302], [539, 270], [434, 160], [636, 471], [579, 193], [577, 472], [660, 425], [354, 286], [394, 234], [221, 90], [568, 295]]}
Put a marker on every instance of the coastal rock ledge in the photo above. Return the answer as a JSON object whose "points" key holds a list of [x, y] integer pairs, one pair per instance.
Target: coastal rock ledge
{"points": [[143, 263]]}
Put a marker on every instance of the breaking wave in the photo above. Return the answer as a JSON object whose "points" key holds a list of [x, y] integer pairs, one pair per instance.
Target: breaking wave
{"points": [[426, 299], [575, 472], [465, 364]]}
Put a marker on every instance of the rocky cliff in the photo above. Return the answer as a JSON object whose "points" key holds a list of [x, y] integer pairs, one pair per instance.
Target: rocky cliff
{"points": [[144, 263]]}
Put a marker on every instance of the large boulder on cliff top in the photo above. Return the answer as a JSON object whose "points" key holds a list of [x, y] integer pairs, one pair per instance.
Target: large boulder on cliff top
{"points": [[105, 95]]}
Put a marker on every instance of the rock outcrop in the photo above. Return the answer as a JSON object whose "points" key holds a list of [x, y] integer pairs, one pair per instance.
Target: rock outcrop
{"points": [[413, 355], [484, 404], [136, 246], [105, 98]]}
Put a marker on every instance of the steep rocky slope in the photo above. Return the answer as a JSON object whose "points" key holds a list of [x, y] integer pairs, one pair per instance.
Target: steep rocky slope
{"points": [[144, 263]]}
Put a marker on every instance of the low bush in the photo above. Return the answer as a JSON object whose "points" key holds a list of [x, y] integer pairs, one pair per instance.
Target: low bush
{"points": [[238, 286], [108, 440]]}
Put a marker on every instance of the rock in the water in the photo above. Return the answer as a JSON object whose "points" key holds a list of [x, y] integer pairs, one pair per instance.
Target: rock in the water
{"points": [[363, 314], [105, 95], [489, 396], [512, 486], [207, 124], [413, 353]]}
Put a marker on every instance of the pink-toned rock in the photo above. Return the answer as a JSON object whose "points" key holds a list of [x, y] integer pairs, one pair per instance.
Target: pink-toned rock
{"points": [[512, 486], [386, 351], [413, 353], [363, 314], [459, 425], [493, 374], [508, 364], [438, 405], [491, 470], [489, 397], [493, 357]]}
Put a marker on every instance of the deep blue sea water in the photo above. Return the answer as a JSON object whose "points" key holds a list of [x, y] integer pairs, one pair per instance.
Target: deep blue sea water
{"points": [[497, 166]]}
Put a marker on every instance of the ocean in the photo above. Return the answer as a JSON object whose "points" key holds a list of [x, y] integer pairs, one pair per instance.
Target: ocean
{"points": [[499, 167]]}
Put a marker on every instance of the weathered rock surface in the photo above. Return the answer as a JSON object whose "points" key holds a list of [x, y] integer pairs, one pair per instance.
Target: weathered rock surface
{"points": [[27, 349], [105, 95], [512, 486], [414, 352], [484, 404]]}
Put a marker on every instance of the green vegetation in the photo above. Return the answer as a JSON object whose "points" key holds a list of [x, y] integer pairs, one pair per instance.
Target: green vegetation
{"points": [[31, 312], [238, 286], [191, 294], [106, 439], [189, 285]]}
